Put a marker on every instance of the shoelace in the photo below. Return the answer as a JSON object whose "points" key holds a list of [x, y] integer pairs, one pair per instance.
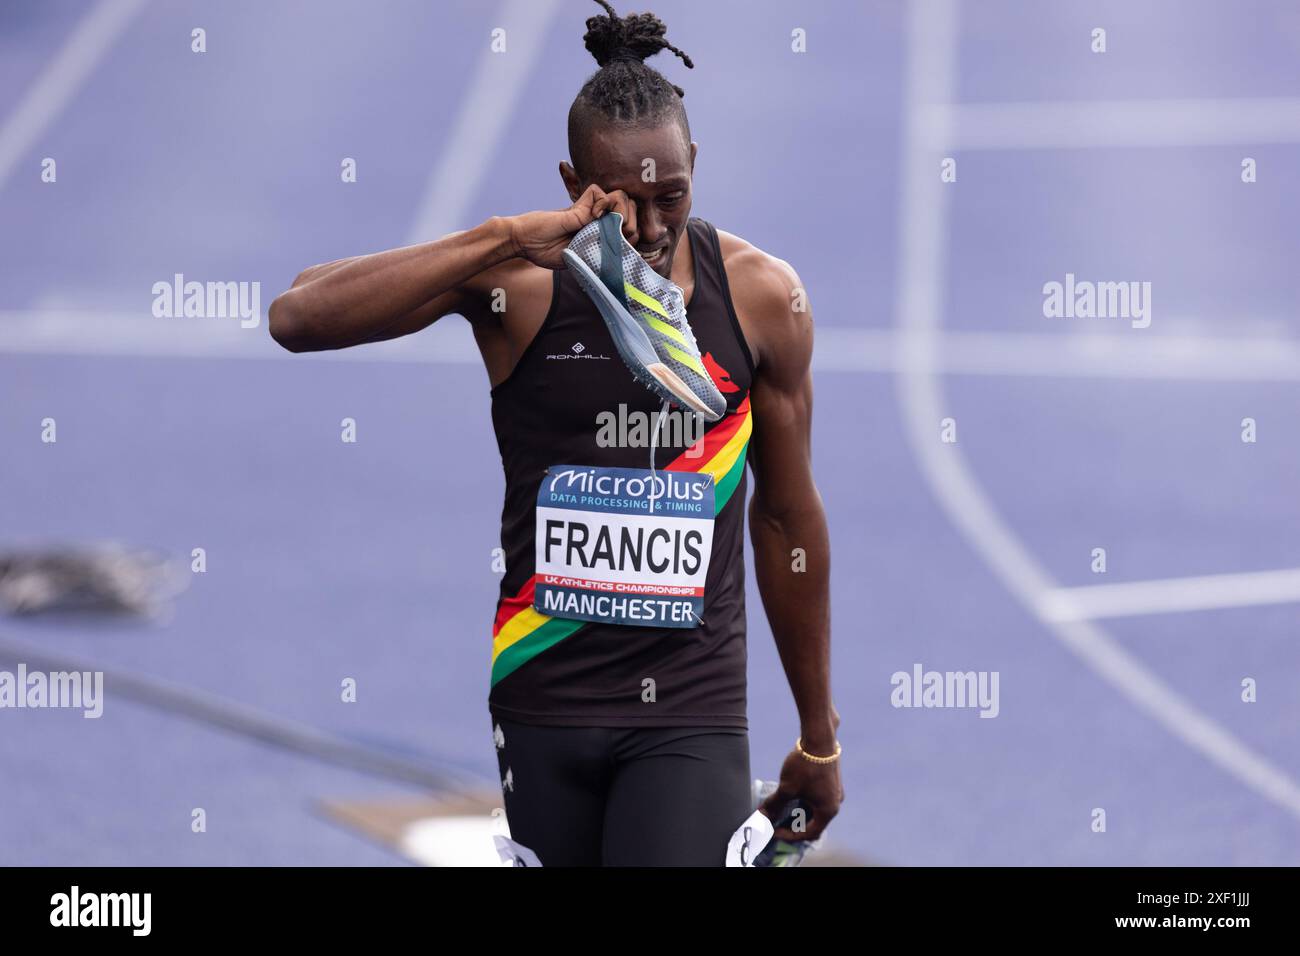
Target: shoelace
{"points": [[685, 323], [676, 293], [654, 446]]}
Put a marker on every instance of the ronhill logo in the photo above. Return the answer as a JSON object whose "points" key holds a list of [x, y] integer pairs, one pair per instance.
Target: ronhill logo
{"points": [[576, 351]]}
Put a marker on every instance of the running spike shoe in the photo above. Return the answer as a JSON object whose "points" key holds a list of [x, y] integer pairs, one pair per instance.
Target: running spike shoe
{"points": [[781, 852], [646, 315]]}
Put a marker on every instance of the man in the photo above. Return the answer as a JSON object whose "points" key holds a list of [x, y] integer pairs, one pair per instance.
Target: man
{"points": [[622, 736]]}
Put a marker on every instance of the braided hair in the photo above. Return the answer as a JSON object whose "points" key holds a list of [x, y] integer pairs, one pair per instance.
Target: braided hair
{"points": [[624, 91]]}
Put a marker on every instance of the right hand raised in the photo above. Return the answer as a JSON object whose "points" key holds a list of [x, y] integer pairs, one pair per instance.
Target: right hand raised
{"points": [[542, 237]]}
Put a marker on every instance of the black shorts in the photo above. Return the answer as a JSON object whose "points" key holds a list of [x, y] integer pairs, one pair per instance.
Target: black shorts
{"points": [[615, 796]]}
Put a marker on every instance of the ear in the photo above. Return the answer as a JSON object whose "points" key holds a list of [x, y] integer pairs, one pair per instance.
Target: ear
{"points": [[572, 182], [694, 149]]}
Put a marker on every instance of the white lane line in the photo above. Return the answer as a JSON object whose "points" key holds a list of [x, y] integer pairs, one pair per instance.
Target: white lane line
{"points": [[485, 114], [1169, 595], [86, 332], [62, 77], [931, 38], [142, 335], [1066, 355], [1111, 124]]}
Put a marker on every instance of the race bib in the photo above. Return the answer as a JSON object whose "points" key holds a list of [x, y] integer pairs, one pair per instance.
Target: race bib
{"points": [[622, 546]]}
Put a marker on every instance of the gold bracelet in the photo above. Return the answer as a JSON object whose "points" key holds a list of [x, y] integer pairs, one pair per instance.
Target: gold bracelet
{"points": [[798, 745]]}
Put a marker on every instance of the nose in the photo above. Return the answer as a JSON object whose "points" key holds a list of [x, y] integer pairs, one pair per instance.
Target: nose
{"points": [[649, 225]]}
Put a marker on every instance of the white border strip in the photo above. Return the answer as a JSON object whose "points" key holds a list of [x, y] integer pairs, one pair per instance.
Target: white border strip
{"points": [[932, 31]]}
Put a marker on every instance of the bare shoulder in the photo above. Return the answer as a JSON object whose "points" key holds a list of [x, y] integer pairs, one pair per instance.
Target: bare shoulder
{"points": [[769, 297], [755, 271]]}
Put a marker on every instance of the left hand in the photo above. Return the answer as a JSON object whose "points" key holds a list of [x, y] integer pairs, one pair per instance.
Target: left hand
{"points": [[816, 785]]}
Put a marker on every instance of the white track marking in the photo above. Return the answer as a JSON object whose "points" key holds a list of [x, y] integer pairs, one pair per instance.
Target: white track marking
{"points": [[485, 114], [142, 335], [62, 77], [932, 26], [1168, 595], [1117, 124], [1066, 355], [87, 332]]}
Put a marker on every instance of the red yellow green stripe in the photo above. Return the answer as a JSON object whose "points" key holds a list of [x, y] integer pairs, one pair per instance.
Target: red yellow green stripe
{"points": [[520, 632], [723, 455]]}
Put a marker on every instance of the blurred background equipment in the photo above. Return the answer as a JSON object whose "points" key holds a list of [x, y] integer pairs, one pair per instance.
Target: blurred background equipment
{"points": [[108, 579]]}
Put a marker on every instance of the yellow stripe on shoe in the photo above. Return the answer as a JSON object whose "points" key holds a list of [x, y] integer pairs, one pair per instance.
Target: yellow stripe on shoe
{"points": [[669, 330], [649, 301], [687, 359]]}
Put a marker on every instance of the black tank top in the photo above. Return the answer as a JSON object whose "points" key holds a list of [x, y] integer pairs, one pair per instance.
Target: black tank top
{"points": [[549, 670]]}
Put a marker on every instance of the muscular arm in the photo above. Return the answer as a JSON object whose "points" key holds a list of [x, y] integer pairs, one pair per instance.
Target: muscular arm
{"points": [[786, 515], [387, 294], [368, 298]]}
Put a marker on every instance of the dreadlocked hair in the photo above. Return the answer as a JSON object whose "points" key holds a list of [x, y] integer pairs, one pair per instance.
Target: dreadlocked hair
{"points": [[624, 90]]}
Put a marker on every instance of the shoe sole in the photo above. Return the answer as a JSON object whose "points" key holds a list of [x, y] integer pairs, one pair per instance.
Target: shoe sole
{"points": [[632, 342]]}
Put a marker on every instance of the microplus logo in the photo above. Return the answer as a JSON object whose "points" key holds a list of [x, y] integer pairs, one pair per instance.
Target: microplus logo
{"points": [[103, 909], [1098, 300], [922, 688], [83, 690], [664, 485], [208, 300]]}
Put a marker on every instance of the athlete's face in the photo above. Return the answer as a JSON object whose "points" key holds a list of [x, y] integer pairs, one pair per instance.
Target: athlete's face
{"points": [[653, 166]]}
